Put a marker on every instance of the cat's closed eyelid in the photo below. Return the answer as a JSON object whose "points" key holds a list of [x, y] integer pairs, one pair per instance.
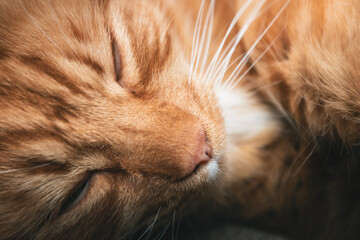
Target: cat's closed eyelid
{"points": [[117, 61], [77, 193], [84, 188], [118, 65]]}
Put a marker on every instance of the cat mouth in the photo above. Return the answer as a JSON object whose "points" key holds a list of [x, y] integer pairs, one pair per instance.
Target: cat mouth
{"points": [[198, 168], [203, 155], [204, 171]]}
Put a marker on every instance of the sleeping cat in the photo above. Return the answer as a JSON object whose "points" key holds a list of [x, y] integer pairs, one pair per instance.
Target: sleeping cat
{"points": [[114, 117]]}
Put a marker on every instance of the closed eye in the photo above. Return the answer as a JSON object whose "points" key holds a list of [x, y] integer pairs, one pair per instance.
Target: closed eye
{"points": [[117, 61], [76, 194], [118, 65]]}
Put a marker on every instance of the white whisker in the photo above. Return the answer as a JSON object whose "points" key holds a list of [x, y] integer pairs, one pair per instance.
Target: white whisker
{"points": [[173, 225], [177, 228], [61, 29], [281, 109], [305, 161], [265, 87], [209, 29], [217, 72], [220, 48], [251, 49], [234, 80], [225, 58], [20, 169], [151, 225], [195, 39], [205, 35], [37, 25], [161, 234]]}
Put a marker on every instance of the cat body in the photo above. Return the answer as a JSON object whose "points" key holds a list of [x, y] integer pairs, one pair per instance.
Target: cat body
{"points": [[113, 118]]}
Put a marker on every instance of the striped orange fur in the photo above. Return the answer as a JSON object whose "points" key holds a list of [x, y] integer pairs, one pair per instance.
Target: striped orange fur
{"points": [[114, 117]]}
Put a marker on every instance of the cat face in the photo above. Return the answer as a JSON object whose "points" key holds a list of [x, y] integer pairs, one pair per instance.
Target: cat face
{"points": [[102, 128]]}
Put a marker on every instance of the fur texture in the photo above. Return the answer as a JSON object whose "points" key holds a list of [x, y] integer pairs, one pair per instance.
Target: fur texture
{"points": [[104, 105], [314, 64]]}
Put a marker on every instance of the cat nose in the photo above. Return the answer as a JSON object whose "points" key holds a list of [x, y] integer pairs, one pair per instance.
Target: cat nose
{"points": [[203, 152]]}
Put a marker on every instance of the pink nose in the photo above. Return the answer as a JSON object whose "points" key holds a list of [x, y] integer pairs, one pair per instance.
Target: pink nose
{"points": [[203, 152]]}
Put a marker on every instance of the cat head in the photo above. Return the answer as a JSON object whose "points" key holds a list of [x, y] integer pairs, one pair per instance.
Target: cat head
{"points": [[102, 127]]}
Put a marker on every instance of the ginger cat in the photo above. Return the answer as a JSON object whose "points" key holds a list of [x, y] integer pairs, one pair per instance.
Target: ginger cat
{"points": [[117, 114]]}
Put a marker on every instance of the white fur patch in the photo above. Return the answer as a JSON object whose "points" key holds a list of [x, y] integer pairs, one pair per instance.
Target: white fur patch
{"points": [[244, 117], [213, 169]]}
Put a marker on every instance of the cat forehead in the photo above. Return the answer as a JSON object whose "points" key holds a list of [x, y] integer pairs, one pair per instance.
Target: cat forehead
{"points": [[76, 36], [45, 26], [143, 38]]}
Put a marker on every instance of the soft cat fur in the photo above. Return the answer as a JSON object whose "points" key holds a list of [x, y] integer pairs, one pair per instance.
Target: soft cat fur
{"points": [[315, 63], [103, 113]]}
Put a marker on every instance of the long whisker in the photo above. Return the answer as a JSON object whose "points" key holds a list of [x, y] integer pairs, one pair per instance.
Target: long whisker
{"points": [[305, 161], [218, 70], [60, 27], [234, 80], [231, 26], [37, 25], [193, 230], [241, 34], [151, 225], [173, 225], [209, 28], [281, 109], [258, 40], [20, 169], [177, 228], [161, 234], [264, 87], [205, 35], [196, 39], [215, 59], [287, 178]]}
